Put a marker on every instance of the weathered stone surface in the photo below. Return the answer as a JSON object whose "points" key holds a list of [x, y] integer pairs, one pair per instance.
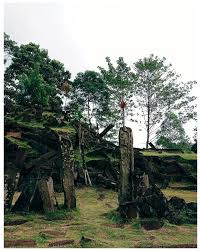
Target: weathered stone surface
{"points": [[11, 177], [67, 175], [151, 223], [15, 222], [24, 200], [177, 202], [192, 206], [129, 210], [152, 203], [126, 184], [127, 192], [19, 243], [180, 212], [60, 243], [46, 191]]}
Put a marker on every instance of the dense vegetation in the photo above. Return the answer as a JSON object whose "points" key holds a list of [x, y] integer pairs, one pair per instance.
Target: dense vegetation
{"points": [[150, 91]]}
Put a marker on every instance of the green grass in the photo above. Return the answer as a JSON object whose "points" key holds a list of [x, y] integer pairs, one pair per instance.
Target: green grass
{"points": [[35, 124], [79, 158], [136, 224], [32, 124], [115, 217], [21, 143], [98, 220], [65, 129], [189, 196], [62, 214], [48, 114], [185, 155]]}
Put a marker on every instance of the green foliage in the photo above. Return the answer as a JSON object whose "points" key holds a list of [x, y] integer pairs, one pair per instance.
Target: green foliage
{"points": [[10, 217], [119, 81], [115, 217], [89, 97], [42, 238], [33, 90], [24, 60], [136, 224], [158, 91], [172, 134], [62, 214], [10, 47]]}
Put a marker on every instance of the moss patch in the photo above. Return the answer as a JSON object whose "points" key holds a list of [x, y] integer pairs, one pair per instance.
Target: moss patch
{"points": [[185, 155], [188, 196], [32, 124]]}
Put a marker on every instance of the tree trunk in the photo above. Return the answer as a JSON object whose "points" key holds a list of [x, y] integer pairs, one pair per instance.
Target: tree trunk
{"points": [[88, 113], [123, 114], [148, 124]]}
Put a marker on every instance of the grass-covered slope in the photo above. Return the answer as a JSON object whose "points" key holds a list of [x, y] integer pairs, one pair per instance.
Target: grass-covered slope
{"points": [[96, 221], [185, 155]]}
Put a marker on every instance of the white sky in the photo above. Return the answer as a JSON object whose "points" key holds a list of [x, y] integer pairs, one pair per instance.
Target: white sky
{"points": [[81, 33]]}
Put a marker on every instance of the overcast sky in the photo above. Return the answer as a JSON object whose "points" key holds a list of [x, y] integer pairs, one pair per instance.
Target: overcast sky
{"points": [[81, 33]]}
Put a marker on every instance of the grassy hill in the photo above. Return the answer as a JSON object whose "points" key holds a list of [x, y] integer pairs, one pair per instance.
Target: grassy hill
{"points": [[96, 221]]}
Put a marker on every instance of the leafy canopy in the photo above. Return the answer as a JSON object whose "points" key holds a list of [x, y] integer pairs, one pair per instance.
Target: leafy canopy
{"points": [[158, 91], [172, 134]]}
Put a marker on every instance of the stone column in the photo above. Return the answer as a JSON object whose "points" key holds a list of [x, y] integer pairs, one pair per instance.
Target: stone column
{"points": [[25, 198], [46, 191], [67, 175], [127, 194], [11, 177]]}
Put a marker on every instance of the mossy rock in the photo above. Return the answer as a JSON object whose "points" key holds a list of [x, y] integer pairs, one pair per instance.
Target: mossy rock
{"points": [[152, 223], [20, 145]]}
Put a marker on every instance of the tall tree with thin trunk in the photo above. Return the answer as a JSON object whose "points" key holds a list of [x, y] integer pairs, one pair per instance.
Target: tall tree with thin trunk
{"points": [[91, 93], [158, 91], [119, 81]]}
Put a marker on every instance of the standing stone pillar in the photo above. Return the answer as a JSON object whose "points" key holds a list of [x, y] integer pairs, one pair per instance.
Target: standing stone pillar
{"points": [[127, 193], [46, 191], [11, 177], [67, 175]]}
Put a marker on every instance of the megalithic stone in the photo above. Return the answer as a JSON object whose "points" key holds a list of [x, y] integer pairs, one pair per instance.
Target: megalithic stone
{"points": [[126, 165], [46, 191], [127, 191], [11, 177], [67, 175], [24, 200]]}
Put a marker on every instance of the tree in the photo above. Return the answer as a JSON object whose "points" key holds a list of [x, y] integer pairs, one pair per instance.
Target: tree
{"points": [[33, 90], [24, 60], [90, 92], [119, 81], [10, 47], [158, 91], [172, 134]]}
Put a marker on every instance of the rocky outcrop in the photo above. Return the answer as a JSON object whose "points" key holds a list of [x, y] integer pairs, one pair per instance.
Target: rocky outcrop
{"points": [[38, 154]]}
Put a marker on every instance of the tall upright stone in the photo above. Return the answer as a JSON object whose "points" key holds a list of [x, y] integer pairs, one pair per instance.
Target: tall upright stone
{"points": [[127, 193], [46, 190], [67, 175], [11, 177]]}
